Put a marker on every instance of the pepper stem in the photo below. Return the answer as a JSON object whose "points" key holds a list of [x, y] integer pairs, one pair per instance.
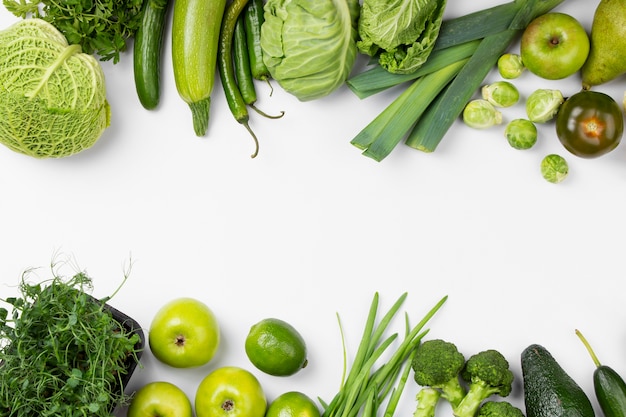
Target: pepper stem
{"points": [[589, 349]]}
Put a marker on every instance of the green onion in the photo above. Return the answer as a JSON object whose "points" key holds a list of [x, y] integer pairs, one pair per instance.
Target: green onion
{"points": [[366, 386], [394, 399]]}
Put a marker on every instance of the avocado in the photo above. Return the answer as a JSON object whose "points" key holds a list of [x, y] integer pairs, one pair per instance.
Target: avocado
{"points": [[548, 390]]}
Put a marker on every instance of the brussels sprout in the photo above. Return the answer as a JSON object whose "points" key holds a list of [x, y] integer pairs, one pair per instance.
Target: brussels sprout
{"points": [[481, 114], [543, 104], [510, 66], [554, 168], [521, 133], [500, 93]]}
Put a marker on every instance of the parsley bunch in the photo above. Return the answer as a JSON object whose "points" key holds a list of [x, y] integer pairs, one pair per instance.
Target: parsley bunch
{"points": [[100, 27], [62, 352]]}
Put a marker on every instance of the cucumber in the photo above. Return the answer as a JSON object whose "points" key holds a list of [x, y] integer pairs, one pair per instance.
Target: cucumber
{"points": [[548, 390], [147, 52]]}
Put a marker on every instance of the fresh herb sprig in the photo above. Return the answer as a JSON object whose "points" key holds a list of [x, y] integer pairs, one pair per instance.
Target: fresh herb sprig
{"points": [[62, 352], [100, 27]]}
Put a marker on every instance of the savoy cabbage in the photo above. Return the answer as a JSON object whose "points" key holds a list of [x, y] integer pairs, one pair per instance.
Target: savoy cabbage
{"points": [[52, 96]]}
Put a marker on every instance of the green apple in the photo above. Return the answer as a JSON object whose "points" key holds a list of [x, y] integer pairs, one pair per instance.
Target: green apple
{"points": [[184, 333], [554, 46], [230, 391], [160, 399]]}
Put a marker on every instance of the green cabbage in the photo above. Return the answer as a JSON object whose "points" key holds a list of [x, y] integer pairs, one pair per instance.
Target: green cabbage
{"points": [[309, 46], [401, 32], [52, 96]]}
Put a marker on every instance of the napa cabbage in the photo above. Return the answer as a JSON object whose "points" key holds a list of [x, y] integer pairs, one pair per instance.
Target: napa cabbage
{"points": [[52, 95], [309, 47], [401, 33]]}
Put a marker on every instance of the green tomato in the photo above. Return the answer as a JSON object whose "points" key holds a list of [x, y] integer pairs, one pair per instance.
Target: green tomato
{"points": [[590, 124], [521, 133], [230, 391]]}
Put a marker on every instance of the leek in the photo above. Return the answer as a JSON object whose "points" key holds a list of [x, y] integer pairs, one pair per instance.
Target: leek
{"points": [[389, 128]]}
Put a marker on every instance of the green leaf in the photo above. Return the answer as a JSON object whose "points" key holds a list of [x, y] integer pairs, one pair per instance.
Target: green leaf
{"points": [[401, 32], [22, 8], [75, 377]]}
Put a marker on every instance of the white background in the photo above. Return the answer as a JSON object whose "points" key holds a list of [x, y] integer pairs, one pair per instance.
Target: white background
{"points": [[311, 228]]}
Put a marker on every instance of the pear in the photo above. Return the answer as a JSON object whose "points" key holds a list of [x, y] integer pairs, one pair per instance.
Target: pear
{"points": [[607, 56]]}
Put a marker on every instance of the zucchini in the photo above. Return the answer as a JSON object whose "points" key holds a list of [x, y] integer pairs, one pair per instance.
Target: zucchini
{"points": [[195, 36], [548, 390], [147, 52]]}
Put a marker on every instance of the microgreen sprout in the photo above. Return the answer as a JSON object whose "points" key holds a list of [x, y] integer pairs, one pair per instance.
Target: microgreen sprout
{"points": [[62, 351]]}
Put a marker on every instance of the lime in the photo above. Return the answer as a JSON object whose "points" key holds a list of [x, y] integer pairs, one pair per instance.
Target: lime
{"points": [[276, 348], [292, 404]]}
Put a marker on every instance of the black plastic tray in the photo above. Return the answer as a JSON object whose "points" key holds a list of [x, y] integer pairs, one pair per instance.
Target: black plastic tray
{"points": [[132, 326]]}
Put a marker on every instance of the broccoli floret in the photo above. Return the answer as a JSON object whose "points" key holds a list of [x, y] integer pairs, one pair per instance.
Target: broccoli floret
{"points": [[437, 365], [487, 374], [499, 409]]}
